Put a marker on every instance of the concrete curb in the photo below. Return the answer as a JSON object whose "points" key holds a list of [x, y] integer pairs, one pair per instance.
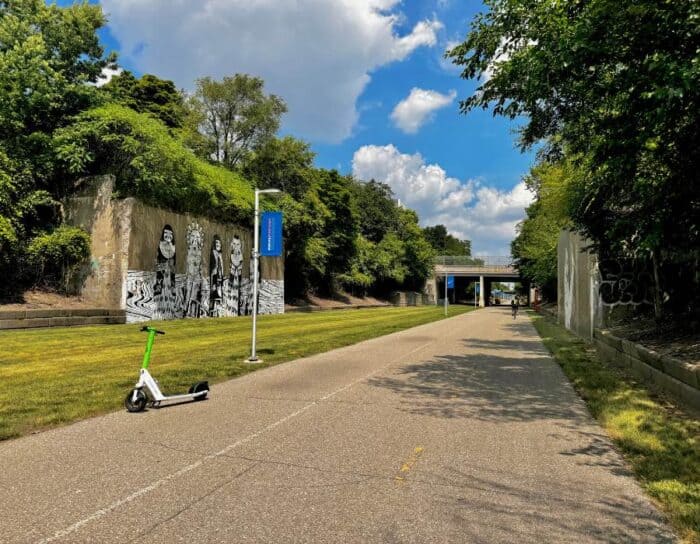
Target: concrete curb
{"points": [[675, 377]]}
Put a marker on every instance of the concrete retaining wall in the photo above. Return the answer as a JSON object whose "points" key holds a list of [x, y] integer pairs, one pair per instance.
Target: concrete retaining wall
{"points": [[29, 319], [579, 305], [158, 264], [679, 379], [410, 298]]}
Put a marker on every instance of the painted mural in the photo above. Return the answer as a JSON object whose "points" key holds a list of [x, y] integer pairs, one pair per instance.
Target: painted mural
{"points": [[220, 291]]}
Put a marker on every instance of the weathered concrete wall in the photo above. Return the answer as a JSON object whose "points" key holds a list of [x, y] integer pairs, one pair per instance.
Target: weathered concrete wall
{"points": [[410, 298], [109, 223], [159, 264], [579, 304]]}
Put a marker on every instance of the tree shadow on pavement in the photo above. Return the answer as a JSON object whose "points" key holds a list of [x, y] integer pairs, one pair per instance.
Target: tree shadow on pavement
{"points": [[486, 387], [559, 511]]}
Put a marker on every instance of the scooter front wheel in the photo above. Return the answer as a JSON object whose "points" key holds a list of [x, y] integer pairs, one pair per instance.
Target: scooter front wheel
{"points": [[135, 401]]}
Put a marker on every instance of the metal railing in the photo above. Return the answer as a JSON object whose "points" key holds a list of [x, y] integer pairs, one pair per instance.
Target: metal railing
{"points": [[487, 261]]}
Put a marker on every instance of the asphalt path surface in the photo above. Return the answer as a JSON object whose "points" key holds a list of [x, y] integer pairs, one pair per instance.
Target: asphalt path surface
{"points": [[463, 430]]}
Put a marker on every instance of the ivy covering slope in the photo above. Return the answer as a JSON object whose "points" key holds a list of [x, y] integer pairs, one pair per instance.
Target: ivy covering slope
{"points": [[151, 163]]}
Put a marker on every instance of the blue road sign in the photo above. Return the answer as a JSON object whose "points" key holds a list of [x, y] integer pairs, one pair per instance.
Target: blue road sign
{"points": [[450, 282], [271, 234], [478, 287]]}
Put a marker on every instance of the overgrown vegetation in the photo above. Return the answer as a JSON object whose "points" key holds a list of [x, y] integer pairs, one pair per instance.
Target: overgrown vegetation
{"points": [[56, 256], [612, 88], [202, 153], [91, 369], [150, 163], [48, 57], [659, 442], [534, 249]]}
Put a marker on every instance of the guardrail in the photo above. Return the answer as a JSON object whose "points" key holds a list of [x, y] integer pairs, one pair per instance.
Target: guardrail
{"points": [[489, 261]]}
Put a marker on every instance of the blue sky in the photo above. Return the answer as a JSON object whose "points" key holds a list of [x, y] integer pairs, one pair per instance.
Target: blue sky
{"points": [[366, 85]]}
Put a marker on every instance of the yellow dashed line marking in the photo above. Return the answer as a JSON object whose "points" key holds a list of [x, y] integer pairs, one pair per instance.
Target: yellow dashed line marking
{"points": [[408, 465]]}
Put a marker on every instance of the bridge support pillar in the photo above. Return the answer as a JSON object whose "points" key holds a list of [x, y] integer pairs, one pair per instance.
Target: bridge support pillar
{"points": [[482, 289]]}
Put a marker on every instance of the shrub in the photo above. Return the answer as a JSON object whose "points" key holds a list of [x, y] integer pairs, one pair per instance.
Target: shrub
{"points": [[57, 256], [151, 163]]}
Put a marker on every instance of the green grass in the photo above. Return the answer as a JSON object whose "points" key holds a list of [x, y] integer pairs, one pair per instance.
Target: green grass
{"points": [[661, 444], [51, 377]]}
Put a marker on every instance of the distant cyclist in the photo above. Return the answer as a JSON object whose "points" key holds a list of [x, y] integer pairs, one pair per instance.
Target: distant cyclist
{"points": [[514, 306]]}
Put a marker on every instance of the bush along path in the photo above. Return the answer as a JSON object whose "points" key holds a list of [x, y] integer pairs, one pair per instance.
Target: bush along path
{"points": [[55, 376], [661, 443]]}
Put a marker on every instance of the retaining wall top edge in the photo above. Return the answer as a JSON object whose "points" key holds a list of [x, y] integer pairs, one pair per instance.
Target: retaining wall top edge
{"points": [[611, 340]]}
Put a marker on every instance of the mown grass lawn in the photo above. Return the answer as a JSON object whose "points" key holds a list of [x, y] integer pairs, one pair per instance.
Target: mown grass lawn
{"points": [[54, 376], [661, 444]]}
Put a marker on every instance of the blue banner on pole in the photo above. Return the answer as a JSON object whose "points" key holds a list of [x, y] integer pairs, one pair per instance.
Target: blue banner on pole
{"points": [[478, 288], [450, 282], [271, 234]]}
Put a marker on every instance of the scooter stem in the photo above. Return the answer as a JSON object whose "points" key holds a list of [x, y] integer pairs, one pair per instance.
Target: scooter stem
{"points": [[149, 346]]}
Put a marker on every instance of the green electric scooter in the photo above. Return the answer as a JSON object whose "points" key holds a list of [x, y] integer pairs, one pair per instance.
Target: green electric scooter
{"points": [[146, 391]]}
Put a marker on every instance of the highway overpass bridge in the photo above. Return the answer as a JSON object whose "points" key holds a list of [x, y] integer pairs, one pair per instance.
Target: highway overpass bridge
{"points": [[467, 270]]}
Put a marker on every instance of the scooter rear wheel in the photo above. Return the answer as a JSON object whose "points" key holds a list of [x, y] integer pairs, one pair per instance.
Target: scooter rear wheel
{"points": [[137, 405], [198, 387]]}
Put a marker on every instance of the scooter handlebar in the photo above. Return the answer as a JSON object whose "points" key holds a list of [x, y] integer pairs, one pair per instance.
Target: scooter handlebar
{"points": [[149, 329]]}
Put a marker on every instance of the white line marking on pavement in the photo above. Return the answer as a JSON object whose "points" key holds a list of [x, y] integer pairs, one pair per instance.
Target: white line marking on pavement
{"points": [[184, 470]]}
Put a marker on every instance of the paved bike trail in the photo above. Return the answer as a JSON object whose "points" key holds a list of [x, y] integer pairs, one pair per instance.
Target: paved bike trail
{"points": [[463, 430]]}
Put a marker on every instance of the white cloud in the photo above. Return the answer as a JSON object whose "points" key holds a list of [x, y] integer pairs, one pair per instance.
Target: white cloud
{"points": [[107, 75], [468, 209], [418, 108], [317, 54]]}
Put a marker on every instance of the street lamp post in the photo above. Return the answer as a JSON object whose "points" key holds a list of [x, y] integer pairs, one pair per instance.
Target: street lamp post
{"points": [[256, 258]]}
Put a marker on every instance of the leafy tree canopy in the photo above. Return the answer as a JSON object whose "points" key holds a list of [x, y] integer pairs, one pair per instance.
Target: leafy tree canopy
{"points": [[148, 94], [534, 249], [617, 85], [281, 163], [377, 209], [445, 244], [150, 163], [235, 115]]}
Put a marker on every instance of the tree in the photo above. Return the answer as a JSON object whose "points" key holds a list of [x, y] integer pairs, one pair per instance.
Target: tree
{"points": [[235, 115], [341, 228], [306, 249], [419, 253], [150, 163], [534, 249], [446, 244], [48, 57], [148, 94], [616, 85], [377, 209], [281, 163]]}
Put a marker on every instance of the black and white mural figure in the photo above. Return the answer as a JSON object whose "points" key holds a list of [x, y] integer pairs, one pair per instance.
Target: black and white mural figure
{"points": [[194, 283], [164, 288], [248, 290], [139, 296], [233, 286], [164, 294], [216, 279]]}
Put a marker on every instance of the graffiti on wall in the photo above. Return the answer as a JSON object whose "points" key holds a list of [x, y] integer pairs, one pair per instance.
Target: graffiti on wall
{"points": [[165, 294], [624, 282]]}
